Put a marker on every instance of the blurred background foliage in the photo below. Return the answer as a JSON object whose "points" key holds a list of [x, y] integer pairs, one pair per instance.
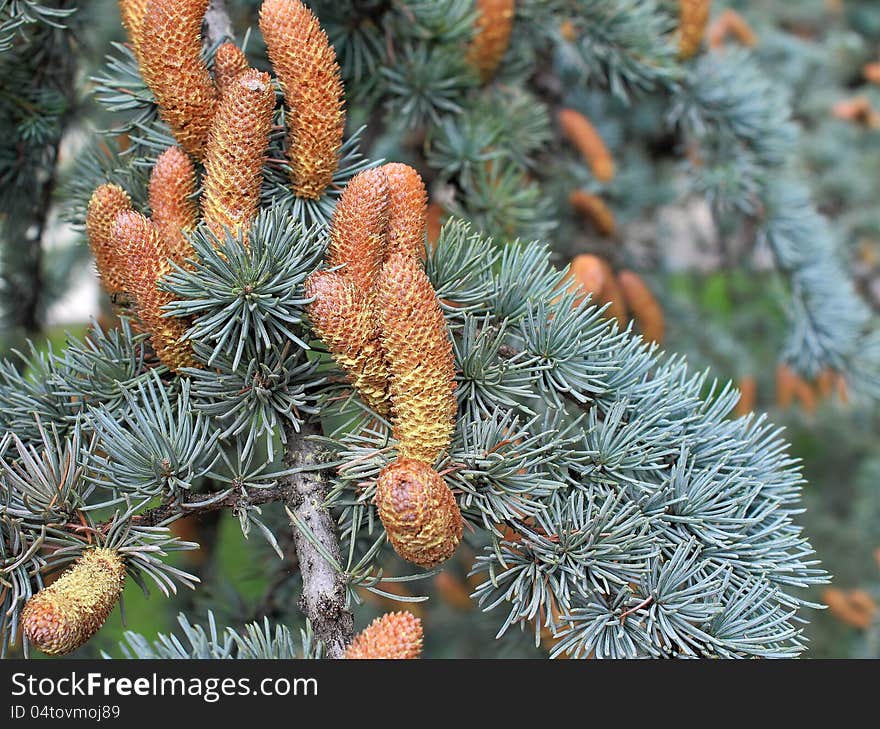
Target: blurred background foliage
{"points": [[718, 312]]}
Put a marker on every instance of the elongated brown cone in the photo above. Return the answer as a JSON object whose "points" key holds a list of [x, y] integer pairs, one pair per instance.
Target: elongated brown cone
{"points": [[305, 64], [581, 133], [731, 24], [594, 209], [358, 230], [418, 511], [805, 394], [106, 203], [643, 306], [854, 607], [595, 276], [491, 35], [173, 67], [64, 616], [147, 261], [419, 357], [132, 13], [407, 209], [229, 63], [871, 72], [453, 591], [236, 153], [392, 636], [173, 186], [343, 318], [748, 391], [785, 385], [693, 15]]}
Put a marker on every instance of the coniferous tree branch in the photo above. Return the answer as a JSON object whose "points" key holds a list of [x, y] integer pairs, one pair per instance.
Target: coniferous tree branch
{"points": [[317, 546]]}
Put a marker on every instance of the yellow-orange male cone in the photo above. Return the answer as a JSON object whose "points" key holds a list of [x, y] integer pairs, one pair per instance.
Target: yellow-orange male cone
{"points": [[305, 64], [342, 317], [418, 352], [106, 203], [407, 209], [491, 35], [147, 260], [236, 152], [394, 636], [173, 186], [63, 616], [359, 229], [343, 311], [693, 16], [172, 66]]}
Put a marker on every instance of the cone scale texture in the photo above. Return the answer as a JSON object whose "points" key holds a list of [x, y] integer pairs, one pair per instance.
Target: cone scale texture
{"points": [[392, 636], [173, 186], [419, 512], [62, 617], [106, 203], [306, 67], [147, 261], [172, 66], [492, 36], [236, 153]]}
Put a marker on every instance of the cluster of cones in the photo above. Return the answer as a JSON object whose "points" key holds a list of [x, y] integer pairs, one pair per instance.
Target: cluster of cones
{"points": [[222, 122], [378, 315]]}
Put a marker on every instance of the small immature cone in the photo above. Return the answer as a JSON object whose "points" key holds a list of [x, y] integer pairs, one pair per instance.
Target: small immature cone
{"points": [[491, 36], [858, 110], [106, 203], [693, 15], [147, 261], [358, 230], [172, 66], [594, 275], [825, 383], [229, 63], [854, 607], [64, 616], [236, 152], [407, 209], [581, 133], [419, 512], [342, 317], [173, 186], [393, 636], [419, 356], [132, 13], [594, 209], [305, 64], [643, 306], [748, 390], [731, 24], [871, 72]]}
